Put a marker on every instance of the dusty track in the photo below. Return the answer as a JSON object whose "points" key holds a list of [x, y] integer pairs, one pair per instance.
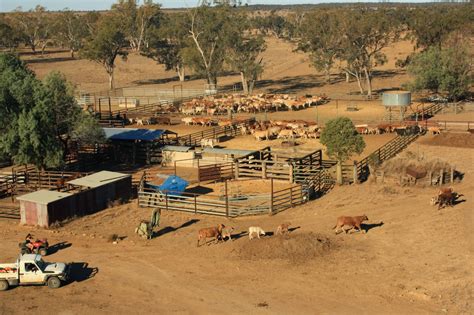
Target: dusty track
{"points": [[418, 261]]}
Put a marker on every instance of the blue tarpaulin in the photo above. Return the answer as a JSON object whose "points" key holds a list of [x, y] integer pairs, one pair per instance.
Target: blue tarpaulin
{"points": [[173, 184]]}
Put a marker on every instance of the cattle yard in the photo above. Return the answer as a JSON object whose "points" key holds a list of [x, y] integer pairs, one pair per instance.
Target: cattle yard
{"points": [[248, 166], [277, 151]]}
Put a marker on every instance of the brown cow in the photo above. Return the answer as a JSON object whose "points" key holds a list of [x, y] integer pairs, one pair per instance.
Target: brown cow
{"points": [[353, 222], [210, 232], [163, 120], [446, 197], [283, 228]]}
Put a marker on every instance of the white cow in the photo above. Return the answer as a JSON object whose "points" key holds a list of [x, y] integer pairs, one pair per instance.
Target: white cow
{"points": [[187, 120], [255, 230], [209, 143]]}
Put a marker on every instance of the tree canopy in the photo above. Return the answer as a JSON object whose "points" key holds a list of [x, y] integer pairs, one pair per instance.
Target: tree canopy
{"points": [[106, 45], [167, 42], [448, 70], [36, 118], [341, 139]]}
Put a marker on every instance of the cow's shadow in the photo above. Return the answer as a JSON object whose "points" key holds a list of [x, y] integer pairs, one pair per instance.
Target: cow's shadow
{"points": [[239, 235], [294, 228], [370, 226], [170, 229], [457, 200], [57, 247]]}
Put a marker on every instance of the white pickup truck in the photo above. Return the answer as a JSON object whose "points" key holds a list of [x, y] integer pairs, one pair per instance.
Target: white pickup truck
{"points": [[30, 269]]}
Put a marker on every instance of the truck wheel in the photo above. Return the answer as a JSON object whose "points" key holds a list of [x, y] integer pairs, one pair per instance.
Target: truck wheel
{"points": [[4, 285], [43, 251], [54, 282]]}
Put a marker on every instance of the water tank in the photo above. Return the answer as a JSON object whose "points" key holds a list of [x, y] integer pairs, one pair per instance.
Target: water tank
{"points": [[396, 98]]}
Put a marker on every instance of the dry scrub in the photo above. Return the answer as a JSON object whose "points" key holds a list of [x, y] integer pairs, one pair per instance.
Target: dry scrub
{"points": [[294, 248], [399, 164]]}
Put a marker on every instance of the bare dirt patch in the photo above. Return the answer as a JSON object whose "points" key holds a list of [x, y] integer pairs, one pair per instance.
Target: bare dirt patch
{"points": [[296, 248]]}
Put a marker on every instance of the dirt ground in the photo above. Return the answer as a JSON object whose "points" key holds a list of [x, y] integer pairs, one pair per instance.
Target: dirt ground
{"points": [[413, 259], [462, 140]]}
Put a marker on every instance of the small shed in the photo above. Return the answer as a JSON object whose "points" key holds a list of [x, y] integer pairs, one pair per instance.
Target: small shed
{"points": [[138, 145], [107, 186], [96, 191], [43, 207]]}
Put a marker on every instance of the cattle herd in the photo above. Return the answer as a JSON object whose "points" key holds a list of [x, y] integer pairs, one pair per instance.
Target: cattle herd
{"points": [[445, 197], [236, 103], [284, 129]]}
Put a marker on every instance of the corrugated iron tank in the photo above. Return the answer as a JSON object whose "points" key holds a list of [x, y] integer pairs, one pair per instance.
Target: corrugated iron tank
{"points": [[396, 98]]}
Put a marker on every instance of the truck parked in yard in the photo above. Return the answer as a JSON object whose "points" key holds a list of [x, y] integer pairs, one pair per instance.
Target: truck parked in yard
{"points": [[30, 269]]}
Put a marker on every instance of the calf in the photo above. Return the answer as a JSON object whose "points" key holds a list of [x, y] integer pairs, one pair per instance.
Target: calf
{"points": [[227, 232], [259, 135], [210, 232], [286, 133], [434, 130], [283, 228], [255, 229], [353, 222]]}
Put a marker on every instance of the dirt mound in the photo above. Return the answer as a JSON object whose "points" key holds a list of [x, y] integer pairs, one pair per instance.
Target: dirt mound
{"points": [[297, 248], [460, 140]]}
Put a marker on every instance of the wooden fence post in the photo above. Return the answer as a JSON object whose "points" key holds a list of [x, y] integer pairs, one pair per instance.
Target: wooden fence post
{"points": [[291, 175], [271, 196], [291, 196], [451, 179], [236, 170], [199, 177], [264, 170], [195, 204], [354, 173], [166, 201], [441, 177], [339, 179], [226, 200]]}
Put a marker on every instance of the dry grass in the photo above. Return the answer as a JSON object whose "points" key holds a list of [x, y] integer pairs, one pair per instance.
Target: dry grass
{"points": [[408, 159]]}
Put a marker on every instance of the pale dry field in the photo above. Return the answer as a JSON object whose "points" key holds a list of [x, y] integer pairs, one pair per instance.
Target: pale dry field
{"points": [[286, 71]]}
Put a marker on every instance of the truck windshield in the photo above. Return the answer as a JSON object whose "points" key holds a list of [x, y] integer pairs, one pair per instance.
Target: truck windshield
{"points": [[40, 263]]}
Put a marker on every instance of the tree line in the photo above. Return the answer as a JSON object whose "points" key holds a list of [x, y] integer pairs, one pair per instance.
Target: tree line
{"points": [[220, 36]]}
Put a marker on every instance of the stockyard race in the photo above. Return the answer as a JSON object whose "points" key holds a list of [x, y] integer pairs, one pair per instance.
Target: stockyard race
{"points": [[236, 158]]}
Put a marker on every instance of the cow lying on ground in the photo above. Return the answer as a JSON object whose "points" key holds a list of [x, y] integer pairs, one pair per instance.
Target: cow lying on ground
{"points": [[353, 222], [283, 228], [215, 232], [255, 230]]}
